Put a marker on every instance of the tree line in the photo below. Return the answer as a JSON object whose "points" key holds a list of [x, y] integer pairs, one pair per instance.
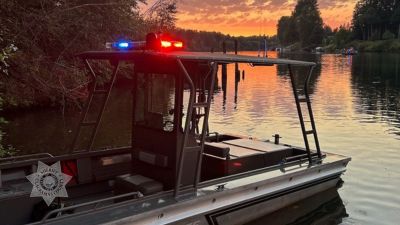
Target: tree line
{"points": [[372, 20], [303, 26], [213, 41], [376, 19]]}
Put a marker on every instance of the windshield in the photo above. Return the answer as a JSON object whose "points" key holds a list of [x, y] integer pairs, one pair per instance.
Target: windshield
{"points": [[155, 100]]}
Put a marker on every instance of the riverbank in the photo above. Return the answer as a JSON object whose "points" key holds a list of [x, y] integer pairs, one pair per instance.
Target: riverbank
{"points": [[385, 46], [388, 46]]}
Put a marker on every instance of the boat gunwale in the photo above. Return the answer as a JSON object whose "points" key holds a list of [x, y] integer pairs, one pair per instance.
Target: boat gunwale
{"points": [[212, 183]]}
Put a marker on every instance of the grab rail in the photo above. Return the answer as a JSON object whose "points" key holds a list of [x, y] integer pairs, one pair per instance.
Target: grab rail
{"points": [[96, 202], [21, 157]]}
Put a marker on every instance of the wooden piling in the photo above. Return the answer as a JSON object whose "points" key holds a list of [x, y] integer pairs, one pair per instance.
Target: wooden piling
{"points": [[223, 72]]}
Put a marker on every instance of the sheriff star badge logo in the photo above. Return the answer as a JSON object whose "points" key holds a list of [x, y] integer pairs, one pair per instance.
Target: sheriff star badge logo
{"points": [[49, 182]]}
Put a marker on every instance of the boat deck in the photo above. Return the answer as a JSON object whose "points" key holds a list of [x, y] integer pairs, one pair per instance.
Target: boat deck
{"points": [[246, 147]]}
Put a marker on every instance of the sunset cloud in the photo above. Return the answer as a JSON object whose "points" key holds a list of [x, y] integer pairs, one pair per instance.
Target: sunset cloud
{"points": [[252, 17]]}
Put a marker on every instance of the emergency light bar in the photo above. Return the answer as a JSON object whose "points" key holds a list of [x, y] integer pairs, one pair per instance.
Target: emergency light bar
{"points": [[156, 42]]}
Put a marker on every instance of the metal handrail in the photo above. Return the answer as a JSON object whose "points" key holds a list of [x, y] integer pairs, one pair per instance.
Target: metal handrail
{"points": [[14, 158], [300, 114], [30, 161], [187, 125], [205, 124], [96, 202]]}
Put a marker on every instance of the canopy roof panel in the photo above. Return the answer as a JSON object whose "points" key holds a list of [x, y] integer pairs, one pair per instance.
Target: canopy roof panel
{"points": [[192, 56]]}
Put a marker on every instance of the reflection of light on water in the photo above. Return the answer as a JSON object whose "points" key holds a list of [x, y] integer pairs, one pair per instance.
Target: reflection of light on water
{"points": [[353, 118], [323, 208]]}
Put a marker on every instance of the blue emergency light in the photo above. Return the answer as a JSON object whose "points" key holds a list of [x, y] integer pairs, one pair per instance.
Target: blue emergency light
{"points": [[123, 45]]}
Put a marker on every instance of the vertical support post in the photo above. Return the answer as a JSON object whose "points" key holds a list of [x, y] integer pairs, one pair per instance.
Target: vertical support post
{"points": [[237, 72], [223, 74], [134, 95], [214, 68], [300, 114], [265, 48], [236, 46], [187, 126]]}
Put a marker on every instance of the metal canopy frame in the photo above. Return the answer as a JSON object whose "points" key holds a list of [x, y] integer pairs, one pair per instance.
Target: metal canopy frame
{"points": [[105, 93], [192, 105], [305, 99], [213, 60]]}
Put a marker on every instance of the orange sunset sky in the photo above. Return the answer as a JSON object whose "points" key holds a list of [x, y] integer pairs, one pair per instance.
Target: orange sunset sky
{"points": [[251, 17]]}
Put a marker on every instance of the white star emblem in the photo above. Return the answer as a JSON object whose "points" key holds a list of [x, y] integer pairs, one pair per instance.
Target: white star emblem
{"points": [[49, 182]]}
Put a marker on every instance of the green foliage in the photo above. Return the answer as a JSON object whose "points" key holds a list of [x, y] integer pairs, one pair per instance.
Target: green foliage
{"points": [[287, 32], [392, 45], [6, 53], [308, 22], [388, 35], [5, 151], [48, 33], [162, 16], [304, 25], [212, 41], [342, 36], [371, 18]]}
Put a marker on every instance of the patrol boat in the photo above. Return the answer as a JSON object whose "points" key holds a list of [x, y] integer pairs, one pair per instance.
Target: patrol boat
{"points": [[175, 171]]}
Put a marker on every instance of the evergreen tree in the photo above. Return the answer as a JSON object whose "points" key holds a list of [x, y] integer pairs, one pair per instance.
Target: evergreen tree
{"points": [[308, 22], [304, 25], [372, 18], [287, 33]]}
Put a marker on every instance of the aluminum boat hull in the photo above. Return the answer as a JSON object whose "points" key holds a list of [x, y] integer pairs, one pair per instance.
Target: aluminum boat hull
{"points": [[236, 201]]}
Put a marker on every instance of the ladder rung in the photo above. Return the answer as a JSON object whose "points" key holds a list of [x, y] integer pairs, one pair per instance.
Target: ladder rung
{"points": [[309, 131], [192, 148], [88, 123], [199, 105], [100, 92], [302, 99]]}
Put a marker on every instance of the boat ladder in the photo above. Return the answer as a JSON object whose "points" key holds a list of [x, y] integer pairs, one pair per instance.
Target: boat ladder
{"points": [[199, 105], [302, 96], [104, 94]]}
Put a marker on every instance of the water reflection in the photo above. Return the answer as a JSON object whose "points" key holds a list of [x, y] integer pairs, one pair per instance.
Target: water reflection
{"points": [[376, 80], [301, 72], [323, 208]]}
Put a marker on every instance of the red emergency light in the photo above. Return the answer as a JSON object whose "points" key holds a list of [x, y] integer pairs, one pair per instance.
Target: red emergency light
{"points": [[162, 42]]}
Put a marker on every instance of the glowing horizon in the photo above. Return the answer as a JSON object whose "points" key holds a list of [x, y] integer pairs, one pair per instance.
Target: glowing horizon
{"points": [[252, 17]]}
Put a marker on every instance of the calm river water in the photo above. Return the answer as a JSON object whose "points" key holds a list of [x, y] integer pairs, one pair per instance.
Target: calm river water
{"points": [[356, 102]]}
